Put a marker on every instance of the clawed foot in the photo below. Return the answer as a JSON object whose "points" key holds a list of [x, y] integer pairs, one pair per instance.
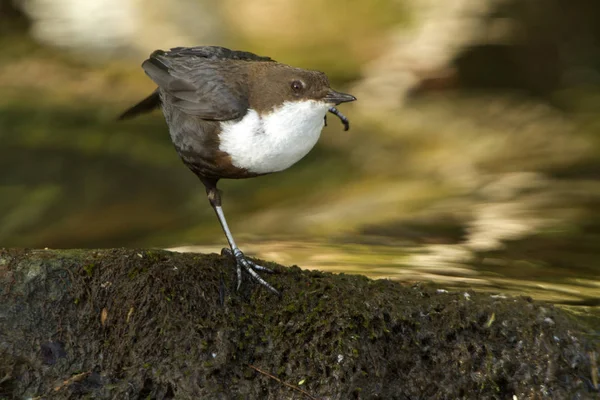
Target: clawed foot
{"points": [[250, 266]]}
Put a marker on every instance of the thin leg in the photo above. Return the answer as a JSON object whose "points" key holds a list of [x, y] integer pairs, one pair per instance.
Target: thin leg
{"points": [[214, 198]]}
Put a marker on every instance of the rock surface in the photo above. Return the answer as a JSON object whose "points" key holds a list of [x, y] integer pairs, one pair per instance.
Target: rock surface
{"points": [[142, 324]]}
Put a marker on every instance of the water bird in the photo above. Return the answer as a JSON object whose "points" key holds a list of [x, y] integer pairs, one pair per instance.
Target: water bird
{"points": [[233, 114]]}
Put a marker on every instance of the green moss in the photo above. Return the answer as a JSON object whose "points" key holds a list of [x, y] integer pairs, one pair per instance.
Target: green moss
{"points": [[132, 274], [89, 269], [292, 307]]}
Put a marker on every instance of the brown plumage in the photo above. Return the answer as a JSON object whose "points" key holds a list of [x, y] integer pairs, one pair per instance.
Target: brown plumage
{"points": [[202, 88]]}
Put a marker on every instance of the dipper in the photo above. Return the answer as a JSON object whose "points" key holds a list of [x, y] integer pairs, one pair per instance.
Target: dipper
{"points": [[234, 114]]}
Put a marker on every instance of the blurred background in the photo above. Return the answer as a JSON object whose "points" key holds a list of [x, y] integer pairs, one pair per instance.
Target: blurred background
{"points": [[473, 158]]}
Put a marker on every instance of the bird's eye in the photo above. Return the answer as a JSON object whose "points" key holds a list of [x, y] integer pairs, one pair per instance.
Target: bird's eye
{"points": [[297, 86]]}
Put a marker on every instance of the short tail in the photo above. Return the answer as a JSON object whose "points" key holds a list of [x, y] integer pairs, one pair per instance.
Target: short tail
{"points": [[148, 104]]}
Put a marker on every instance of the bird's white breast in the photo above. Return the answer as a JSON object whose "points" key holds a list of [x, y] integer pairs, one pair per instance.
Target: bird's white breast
{"points": [[276, 140]]}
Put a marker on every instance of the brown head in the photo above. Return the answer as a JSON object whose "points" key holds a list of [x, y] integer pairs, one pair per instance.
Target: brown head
{"points": [[272, 84]]}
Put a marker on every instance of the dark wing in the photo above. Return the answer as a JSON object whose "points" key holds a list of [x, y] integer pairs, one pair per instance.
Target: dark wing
{"points": [[213, 53], [196, 78]]}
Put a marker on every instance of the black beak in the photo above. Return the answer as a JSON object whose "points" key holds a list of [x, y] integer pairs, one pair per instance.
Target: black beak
{"points": [[338, 97]]}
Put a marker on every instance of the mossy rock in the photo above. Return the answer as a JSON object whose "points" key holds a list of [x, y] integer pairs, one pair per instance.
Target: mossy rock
{"points": [[125, 323]]}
